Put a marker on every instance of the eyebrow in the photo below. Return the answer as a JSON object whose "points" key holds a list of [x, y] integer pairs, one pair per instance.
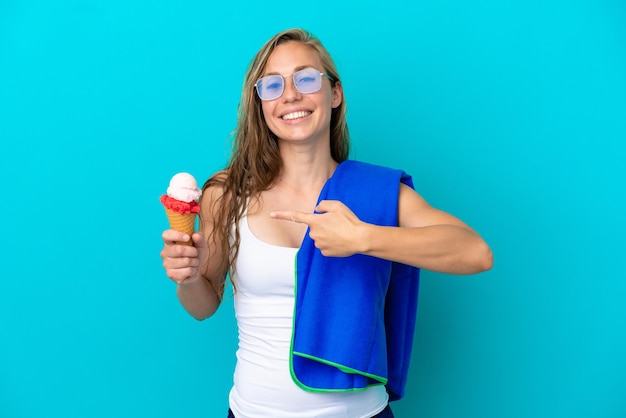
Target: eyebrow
{"points": [[295, 70]]}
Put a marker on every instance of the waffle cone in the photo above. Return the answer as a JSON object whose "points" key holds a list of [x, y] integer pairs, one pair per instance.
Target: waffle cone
{"points": [[183, 222]]}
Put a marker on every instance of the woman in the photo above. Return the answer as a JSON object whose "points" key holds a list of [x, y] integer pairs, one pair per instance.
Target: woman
{"points": [[268, 204]]}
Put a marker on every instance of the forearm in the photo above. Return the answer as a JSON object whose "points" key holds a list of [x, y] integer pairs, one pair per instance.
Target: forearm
{"points": [[199, 298], [444, 248]]}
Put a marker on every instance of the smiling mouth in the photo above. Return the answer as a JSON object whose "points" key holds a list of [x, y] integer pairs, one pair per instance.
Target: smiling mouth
{"points": [[295, 115]]}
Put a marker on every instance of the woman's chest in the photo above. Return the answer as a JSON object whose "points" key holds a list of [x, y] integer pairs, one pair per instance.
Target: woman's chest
{"points": [[279, 232]]}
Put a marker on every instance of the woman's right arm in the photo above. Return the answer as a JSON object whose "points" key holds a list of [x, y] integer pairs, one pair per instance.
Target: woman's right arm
{"points": [[200, 279]]}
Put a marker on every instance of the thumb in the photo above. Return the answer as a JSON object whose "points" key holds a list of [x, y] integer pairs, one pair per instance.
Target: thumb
{"points": [[198, 240], [325, 206]]}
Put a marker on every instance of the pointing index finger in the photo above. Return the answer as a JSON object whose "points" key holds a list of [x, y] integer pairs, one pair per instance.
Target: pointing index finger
{"points": [[293, 216]]}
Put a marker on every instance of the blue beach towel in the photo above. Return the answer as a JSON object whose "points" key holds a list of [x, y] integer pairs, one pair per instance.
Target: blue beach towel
{"points": [[355, 316]]}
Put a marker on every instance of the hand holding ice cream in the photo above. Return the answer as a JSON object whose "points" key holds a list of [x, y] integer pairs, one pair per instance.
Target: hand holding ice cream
{"points": [[181, 203]]}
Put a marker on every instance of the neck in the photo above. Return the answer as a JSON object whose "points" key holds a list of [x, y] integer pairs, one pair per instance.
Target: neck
{"points": [[306, 167]]}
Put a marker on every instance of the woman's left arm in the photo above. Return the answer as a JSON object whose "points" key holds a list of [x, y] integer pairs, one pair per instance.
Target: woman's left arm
{"points": [[428, 238]]}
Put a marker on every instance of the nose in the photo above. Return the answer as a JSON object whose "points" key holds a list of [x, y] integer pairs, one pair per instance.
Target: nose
{"points": [[291, 93]]}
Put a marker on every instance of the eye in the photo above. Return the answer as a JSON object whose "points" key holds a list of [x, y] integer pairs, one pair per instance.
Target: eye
{"points": [[306, 79], [273, 86], [271, 83], [305, 76]]}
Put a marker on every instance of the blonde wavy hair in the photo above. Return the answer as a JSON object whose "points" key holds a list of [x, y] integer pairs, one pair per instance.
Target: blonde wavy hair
{"points": [[255, 161]]}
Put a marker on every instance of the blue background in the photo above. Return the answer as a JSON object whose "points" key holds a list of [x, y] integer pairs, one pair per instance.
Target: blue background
{"points": [[509, 114]]}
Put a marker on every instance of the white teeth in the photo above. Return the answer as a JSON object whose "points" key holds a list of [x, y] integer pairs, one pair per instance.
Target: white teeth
{"points": [[296, 115]]}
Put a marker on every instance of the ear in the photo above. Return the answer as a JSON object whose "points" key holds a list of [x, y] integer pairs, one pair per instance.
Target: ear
{"points": [[337, 97]]}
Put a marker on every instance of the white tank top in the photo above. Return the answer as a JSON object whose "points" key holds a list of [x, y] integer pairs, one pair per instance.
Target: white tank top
{"points": [[264, 300]]}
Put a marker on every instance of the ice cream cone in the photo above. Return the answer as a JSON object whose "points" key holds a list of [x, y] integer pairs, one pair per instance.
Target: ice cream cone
{"points": [[183, 222], [181, 204]]}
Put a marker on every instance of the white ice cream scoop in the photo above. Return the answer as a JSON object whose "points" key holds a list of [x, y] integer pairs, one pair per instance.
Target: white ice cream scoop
{"points": [[183, 187]]}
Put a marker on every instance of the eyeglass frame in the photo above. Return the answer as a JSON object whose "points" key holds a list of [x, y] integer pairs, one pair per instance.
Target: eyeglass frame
{"points": [[328, 76]]}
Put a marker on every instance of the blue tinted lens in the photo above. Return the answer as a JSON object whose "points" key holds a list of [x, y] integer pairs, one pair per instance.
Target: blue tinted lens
{"points": [[270, 87], [308, 80]]}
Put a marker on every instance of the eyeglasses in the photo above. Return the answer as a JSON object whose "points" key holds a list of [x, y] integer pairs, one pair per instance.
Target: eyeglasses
{"points": [[306, 81]]}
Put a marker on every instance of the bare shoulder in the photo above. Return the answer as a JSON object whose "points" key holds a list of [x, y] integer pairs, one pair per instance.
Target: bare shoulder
{"points": [[414, 211], [213, 194], [216, 181]]}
